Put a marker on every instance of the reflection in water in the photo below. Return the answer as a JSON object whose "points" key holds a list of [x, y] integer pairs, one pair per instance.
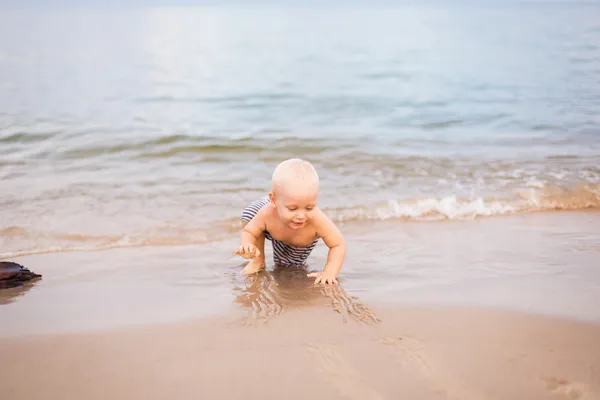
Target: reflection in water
{"points": [[268, 293], [8, 296]]}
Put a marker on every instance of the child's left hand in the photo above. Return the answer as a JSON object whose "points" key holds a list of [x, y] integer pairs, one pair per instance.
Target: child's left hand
{"points": [[323, 277]]}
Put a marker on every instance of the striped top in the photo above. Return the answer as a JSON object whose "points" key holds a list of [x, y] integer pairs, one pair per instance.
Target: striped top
{"points": [[283, 254]]}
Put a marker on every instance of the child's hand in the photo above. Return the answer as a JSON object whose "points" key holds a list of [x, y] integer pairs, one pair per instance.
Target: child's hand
{"points": [[323, 277], [248, 251]]}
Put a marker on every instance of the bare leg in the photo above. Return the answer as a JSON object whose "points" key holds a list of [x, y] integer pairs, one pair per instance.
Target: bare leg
{"points": [[257, 263]]}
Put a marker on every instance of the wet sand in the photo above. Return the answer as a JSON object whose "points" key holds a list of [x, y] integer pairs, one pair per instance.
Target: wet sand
{"points": [[497, 308], [414, 353], [545, 263]]}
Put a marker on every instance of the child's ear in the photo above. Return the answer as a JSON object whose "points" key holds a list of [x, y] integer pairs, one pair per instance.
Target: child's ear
{"points": [[273, 199]]}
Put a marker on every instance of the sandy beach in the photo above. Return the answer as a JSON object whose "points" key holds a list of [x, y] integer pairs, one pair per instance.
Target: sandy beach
{"points": [[415, 353], [544, 263], [147, 323], [458, 150]]}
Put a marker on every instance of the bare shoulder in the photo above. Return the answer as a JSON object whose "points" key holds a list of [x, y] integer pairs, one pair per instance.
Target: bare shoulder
{"points": [[267, 217], [258, 223], [327, 229]]}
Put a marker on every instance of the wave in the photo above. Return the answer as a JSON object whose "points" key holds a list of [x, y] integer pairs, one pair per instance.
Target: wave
{"points": [[85, 243], [181, 145], [26, 137], [234, 99], [451, 207], [328, 150]]}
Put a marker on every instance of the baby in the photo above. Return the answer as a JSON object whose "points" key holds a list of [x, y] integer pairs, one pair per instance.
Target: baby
{"points": [[290, 219]]}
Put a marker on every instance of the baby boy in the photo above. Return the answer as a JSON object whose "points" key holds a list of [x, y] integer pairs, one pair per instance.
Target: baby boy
{"points": [[290, 219]]}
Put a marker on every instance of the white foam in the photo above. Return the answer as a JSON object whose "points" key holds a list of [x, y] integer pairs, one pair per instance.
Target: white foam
{"points": [[537, 197], [449, 207]]}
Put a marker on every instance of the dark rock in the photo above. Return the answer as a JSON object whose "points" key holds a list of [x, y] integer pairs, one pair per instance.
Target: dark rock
{"points": [[14, 275]]}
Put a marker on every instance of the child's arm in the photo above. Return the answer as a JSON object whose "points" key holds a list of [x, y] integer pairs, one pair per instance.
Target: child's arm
{"points": [[334, 239], [250, 234]]}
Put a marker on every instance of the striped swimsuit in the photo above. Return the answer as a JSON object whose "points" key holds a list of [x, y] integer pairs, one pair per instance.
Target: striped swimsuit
{"points": [[283, 254]]}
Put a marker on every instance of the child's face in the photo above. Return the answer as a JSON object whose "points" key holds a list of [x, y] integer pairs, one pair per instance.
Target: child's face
{"points": [[296, 207]]}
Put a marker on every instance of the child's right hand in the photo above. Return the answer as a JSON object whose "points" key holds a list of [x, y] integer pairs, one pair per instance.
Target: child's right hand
{"points": [[247, 251]]}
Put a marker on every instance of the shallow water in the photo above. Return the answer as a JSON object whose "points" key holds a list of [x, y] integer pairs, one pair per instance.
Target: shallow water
{"points": [[127, 155], [538, 262], [162, 128]]}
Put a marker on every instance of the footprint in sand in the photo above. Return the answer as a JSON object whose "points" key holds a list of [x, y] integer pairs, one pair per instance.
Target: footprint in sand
{"points": [[411, 352], [571, 390], [347, 381]]}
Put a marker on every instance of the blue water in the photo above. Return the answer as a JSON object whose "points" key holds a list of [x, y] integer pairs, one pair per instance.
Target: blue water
{"points": [[127, 126]]}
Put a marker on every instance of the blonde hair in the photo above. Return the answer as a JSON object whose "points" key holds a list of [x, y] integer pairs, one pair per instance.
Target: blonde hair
{"points": [[294, 170]]}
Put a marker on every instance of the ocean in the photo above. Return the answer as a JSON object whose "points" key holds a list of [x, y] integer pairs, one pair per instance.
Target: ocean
{"points": [[147, 127]]}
